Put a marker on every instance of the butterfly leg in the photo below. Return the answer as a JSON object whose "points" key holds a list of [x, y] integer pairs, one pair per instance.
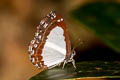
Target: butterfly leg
{"points": [[64, 64], [70, 60], [73, 62]]}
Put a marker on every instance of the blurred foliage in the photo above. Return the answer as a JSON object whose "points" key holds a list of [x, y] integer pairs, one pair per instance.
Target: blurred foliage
{"points": [[103, 19], [18, 21], [84, 69]]}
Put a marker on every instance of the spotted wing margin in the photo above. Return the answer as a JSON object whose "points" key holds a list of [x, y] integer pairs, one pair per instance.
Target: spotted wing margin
{"points": [[46, 25], [35, 44]]}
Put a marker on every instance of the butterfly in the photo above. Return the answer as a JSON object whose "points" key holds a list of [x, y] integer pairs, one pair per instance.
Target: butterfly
{"points": [[51, 45]]}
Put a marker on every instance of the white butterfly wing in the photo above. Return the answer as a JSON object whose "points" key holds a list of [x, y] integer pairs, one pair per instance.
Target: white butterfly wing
{"points": [[54, 50]]}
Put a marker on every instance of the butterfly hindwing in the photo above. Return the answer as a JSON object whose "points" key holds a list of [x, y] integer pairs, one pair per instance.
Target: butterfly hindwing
{"points": [[54, 50], [51, 43]]}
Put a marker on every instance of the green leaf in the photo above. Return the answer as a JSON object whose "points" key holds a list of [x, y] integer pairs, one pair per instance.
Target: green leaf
{"points": [[84, 69], [103, 19]]}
